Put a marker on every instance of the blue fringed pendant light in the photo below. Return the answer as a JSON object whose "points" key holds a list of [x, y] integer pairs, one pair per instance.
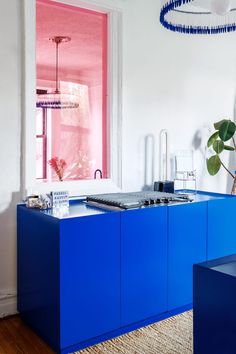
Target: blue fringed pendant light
{"points": [[198, 16]]}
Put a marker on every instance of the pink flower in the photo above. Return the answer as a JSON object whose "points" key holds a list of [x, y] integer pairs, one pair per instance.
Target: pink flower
{"points": [[58, 165]]}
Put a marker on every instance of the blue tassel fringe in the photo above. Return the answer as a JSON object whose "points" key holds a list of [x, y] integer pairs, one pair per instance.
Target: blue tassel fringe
{"points": [[174, 4]]}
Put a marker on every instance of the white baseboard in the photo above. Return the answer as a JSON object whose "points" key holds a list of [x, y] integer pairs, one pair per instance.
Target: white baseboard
{"points": [[8, 305]]}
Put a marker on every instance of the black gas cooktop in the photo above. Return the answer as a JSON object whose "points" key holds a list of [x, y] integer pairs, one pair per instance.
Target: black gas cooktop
{"points": [[137, 199]]}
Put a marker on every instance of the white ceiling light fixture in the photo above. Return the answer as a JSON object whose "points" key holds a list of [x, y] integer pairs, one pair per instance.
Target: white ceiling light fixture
{"points": [[199, 17], [57, 99], [220, 7]]}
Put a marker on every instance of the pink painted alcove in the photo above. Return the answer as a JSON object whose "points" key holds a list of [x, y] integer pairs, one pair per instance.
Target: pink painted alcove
{"points": [[79, 136]]}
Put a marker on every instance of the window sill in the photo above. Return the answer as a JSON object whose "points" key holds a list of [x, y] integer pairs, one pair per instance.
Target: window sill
{"points": [[75, 188]]}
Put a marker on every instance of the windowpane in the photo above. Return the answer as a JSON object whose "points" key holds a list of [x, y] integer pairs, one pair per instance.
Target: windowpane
{"points": [[39, 121], [76, 135], [39, 158]]}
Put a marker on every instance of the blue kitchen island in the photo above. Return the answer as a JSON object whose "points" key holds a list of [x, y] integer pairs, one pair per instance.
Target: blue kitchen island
{"points": [[214, 306], [92, 274]]}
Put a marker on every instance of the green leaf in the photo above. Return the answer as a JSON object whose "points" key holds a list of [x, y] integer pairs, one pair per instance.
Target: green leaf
{"points": [[218, 146], [227, 130], [212, 139], [229, 148], [218, 124], [213, 165]]}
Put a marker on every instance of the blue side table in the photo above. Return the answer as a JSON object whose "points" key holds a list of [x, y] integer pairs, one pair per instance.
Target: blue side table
{"points": [[214, 306]]}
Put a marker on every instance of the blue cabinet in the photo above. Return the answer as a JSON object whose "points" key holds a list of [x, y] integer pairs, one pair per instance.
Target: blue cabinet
{"points": [[69, 275], [143, 264], [221, 227], [90, 277], [186, 245], [95, 274], [38, 274]]}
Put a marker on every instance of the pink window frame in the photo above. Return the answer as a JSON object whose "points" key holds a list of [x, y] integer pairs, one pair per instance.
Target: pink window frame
{"points": [[43, 136]]}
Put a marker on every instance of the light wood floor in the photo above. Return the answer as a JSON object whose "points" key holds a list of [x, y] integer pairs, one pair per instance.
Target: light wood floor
{"points": [[171, 336], [17, 338]]}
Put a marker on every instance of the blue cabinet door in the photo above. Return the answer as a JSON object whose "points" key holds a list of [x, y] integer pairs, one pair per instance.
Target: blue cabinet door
{"points": [[143, 263], [221, 227], [187, 245], [90, 277], [38, 273]]}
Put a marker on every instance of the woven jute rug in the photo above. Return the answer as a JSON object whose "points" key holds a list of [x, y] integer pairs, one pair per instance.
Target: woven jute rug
{"points": [[171, 336]]}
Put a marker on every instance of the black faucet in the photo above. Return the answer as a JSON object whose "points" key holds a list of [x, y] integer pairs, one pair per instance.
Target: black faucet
{"points": [[95, 173]]}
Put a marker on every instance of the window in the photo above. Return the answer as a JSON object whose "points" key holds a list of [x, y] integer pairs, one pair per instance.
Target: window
{"points": [[111, 149], [78, 136]]}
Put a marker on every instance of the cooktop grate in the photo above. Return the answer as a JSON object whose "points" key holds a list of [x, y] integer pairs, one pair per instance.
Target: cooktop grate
{"points": [[137, 199]]}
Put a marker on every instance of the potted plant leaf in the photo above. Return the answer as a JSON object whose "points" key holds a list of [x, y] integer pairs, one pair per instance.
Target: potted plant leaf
{"points": [[219, 141]]}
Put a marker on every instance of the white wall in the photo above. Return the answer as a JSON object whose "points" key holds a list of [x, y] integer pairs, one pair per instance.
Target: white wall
{"points": [[172, 81], [10, 118]]}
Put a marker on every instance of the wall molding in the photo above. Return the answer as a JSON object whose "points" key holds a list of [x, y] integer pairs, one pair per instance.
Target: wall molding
{"points": [[8, 303], [97, 5], [28, 153]]}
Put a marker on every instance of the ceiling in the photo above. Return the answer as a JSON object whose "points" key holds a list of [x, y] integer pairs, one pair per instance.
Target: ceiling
{"points": [[80, 60]]}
